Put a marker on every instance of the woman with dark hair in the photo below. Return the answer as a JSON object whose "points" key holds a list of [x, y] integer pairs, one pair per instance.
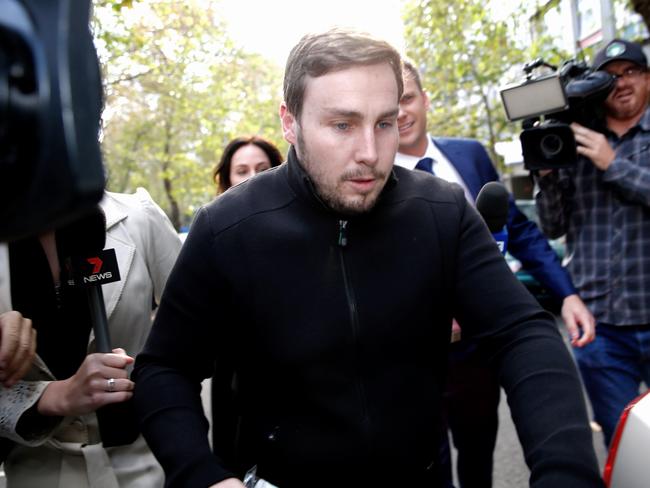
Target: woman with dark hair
{"points": [[242, 158]]}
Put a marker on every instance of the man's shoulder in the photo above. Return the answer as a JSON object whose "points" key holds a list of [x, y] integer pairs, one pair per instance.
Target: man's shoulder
{"points": [[423, 185], [469, 157], [264, 193], [454, 142]]}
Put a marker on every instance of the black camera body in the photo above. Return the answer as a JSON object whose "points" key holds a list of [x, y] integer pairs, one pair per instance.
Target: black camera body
{"points": [[50, 105], [548, 104]]}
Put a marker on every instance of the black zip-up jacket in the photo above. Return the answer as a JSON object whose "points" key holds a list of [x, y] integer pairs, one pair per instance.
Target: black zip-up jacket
{"points": [[338, 329]]}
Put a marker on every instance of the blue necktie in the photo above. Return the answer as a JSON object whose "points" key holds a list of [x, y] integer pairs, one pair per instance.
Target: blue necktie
{"points": [[425, 164]]}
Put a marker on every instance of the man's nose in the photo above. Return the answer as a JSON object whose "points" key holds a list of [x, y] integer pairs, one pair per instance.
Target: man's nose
{"points": [[367, 147], [621, 81], [401, 114]]}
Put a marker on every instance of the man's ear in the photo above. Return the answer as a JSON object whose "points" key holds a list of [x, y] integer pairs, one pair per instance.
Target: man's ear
{"points": [[427, 102], [289, 123]]}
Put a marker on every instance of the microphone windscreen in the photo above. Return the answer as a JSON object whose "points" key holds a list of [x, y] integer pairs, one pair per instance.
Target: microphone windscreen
{"points": [[84, 236], [492, 203]]}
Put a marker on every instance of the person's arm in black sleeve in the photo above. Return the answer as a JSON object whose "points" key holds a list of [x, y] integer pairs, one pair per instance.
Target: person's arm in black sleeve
{"points": [[536, 370], [178, 354]]}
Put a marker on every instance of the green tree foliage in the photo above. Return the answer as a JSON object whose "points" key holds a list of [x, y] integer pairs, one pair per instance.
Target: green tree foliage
{"points": [[465, 55], [177, 90], [116, 5]]}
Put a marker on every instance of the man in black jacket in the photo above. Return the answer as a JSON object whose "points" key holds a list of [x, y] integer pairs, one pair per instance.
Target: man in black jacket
{"points": [[329, 284]]}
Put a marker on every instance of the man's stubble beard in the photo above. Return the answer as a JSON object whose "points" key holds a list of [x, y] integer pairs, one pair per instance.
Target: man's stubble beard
{"points": [[621, 113], [330, 196]]}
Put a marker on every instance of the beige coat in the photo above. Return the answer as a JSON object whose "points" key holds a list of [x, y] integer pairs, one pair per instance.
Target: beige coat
{"points": [[70, 453]]}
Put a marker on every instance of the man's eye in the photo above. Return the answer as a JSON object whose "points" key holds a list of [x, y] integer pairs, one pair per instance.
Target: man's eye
{"points": [[385, 125], [342, 125]]}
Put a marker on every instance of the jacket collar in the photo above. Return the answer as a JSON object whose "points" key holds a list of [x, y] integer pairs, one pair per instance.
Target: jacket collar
{"points": [[114, 213], [300, 182], [303, 187]]}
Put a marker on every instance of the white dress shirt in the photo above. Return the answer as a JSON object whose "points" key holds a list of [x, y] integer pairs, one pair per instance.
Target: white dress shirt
{"points": [[442, 168]]}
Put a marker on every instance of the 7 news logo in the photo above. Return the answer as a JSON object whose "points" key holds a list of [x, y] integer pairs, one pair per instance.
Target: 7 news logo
{"points": [[97, 264], [97, 269]]}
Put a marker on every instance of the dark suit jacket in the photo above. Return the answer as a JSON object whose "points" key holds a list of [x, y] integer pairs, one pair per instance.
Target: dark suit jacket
{"points": [[525, 241]]}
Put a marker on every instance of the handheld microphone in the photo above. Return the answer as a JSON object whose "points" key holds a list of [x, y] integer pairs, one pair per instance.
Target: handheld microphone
{"points": [[492, 203], [90, 266]]}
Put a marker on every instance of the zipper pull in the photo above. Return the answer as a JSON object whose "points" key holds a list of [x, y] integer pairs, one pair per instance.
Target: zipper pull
{"points": [[58, 295], [343, 238]]}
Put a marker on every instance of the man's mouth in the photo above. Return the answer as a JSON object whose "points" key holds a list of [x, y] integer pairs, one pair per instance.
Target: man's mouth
{"points": [[405, 127], [362, 184], [624, 95]]}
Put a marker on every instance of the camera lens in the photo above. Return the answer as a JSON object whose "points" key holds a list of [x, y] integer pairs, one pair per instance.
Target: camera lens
{"points": [[551, 145]]}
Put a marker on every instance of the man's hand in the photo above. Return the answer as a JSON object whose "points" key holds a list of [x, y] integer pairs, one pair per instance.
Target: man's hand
{"points": [[576, 315], [101, 379], [229, 483], [593, 145], [17, 348]]}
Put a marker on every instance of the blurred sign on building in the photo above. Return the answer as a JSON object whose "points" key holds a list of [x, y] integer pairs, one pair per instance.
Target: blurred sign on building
{"points": [[575, 25]]}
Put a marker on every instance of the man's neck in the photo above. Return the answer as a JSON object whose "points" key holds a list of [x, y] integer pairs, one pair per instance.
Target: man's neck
{"points": [[417, 150]]}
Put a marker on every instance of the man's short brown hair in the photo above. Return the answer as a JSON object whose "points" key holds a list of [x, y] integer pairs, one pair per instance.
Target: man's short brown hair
{"points": [[412, 72], [334, 50]]}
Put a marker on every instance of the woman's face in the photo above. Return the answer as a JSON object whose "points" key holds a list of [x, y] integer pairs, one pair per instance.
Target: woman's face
{"points": [[247, 161]]}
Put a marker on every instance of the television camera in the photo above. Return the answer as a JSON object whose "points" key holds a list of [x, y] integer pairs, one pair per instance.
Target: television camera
{"points": [[548, 103]]}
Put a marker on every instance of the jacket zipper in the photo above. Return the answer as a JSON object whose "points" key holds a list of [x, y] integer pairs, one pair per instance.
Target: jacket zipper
{"points": [[354, 320]]}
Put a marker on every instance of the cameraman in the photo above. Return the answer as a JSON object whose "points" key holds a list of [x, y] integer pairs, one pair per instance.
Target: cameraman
{"points": [[601, 204]]}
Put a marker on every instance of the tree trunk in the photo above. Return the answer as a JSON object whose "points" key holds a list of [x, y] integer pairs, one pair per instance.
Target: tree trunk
{"points": [[175, 216], [489, 120], [642, 7]]}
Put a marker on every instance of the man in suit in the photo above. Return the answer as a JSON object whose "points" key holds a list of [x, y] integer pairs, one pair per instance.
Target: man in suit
{"points": [[472, 393]]}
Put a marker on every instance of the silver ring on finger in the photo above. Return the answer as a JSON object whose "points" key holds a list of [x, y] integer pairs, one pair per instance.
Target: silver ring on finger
{"points": [[111, 384]]}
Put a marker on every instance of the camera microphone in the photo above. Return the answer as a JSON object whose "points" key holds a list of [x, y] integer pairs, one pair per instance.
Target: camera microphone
{"points": [[492, 203]]}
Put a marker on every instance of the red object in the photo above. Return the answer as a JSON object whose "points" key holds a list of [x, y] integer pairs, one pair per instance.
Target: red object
{"points": [[613, 449], [97, 263]]}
